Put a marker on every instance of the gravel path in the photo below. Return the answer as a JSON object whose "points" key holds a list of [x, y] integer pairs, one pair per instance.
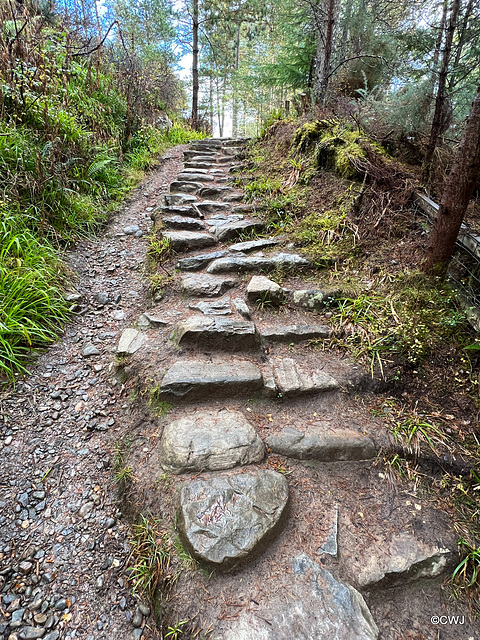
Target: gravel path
{"points": [[63, 547]]}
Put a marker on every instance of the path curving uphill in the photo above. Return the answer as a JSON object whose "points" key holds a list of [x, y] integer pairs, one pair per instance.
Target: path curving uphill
{"points": [[250, 447]]}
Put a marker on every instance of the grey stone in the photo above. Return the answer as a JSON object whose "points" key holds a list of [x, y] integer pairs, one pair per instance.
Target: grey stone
{"points": [[211, 206], [308, 604], [179, 199], [62, 604], [131, 229], [215, 308], [252, 263], [197, 165], [187, 210], [195, 263], [262, 290], [234, 229], [189, 170], [253, 245], [214, 192], [203, 379], [244, 208], [320, 444], [101, 298], [188, 240], [183, 222], [209, 441], [330, 546], [295, 333], [217, 333], [182, 186], [137, 633], [137, 618], [401, 560], [205, 285], [130, 341], [313, 299], [17, 615], [90, 350], [224, 518], [53, 635], [234, 197], [31, 633], [154, 321], [221, 219], [242, 308], [234, 142], [291, 379], [194, 177], [196, 156]]}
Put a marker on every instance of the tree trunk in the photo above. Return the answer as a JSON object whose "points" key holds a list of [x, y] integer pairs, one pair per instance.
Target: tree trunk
{"points": [[456, 195], [323, 56], [438, 124], [195, 64], [234, 83]]}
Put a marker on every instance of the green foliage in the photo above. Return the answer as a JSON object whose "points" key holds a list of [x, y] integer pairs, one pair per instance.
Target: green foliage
{"points": [[467, 573]]}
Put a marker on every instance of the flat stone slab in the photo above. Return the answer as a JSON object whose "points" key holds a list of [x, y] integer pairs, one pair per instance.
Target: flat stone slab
{"points": [[401, 560], [295, 333], [194, 379], [172, 199], [188, 170], [130, 341], [188, 211], [224, 518], [188, 240], [197, 156], [183, 186], [151, 320], [312, 299], [183, 222], [209, 441], [292, 379], [308, 603], [194, 177], [232, 230], [206, 285], [253, 245], [198, 165], [253, 263], [241, 307], [319, 444], [215, 308], [215, 192], [218, 333], [212, 206], [195, 263], [262, 290]]}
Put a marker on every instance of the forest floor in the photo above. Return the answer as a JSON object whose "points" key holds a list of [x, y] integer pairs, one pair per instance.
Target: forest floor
{"points": [[64, 542]]}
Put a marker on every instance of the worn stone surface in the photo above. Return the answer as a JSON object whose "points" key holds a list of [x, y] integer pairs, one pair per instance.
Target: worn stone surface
{"points": [[312, 299], [400, 560], [195, 263], [151, 320], [295, 332], [209, 441], [197, 165], [215, 192], [212, 206], [220, 219], [188, 210], [330, 546], [183, 222], [253, 245], [319, 444], [206, 285], [188, 240], [308, 603], [262, 290], [215, 308], [253, 263], [184, 186], [195, 379], [130, 341], [219, 333], [234, 229], [292, 379], [224, 518], [179, 199], [234, 197], [194, 177], [242, 308]]}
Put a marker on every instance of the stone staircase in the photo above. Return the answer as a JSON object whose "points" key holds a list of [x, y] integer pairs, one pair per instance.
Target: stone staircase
{"points": [[253, 402]]}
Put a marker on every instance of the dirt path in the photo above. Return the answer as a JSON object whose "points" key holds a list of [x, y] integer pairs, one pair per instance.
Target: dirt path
{"points": [[63, 545]]}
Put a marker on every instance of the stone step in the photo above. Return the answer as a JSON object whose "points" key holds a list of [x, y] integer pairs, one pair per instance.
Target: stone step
{"points": [[186, 210], [195, 263], [216, 333], [212, 206], [221, 307], [326, 445], [184, 223], [295, 333], [231, 230], [189, 171], [178, 199], [254, 245], [198, 165], [205, 285], [293, 380], [215, 192], [185, 186], [224, 160], [252, 263], [209, 441], [187, 240], [224, 518], [262, 290], [206, 144], [199, 380], [196, 156], [234, 197], [232, 151], [194, 177], [235, 142]]}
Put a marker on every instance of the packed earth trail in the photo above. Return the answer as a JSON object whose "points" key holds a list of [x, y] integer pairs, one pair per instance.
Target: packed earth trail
{"points": [[248, 448]]}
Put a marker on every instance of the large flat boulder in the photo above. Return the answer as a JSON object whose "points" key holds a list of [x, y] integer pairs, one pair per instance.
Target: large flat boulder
{"points": [[212, 206], [197, 379], [295, 332], [224, 518], [254, 263], [308, 603], [215, 192], [183, 223], [320, 444], [205, 285], [186, 176], [232, 230], [209, 441], [172, 199], [185, 186], [253, 245], [292, 379], [195, 263], [130, 341], [216, 333], [189, 240], [221, 307]]}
